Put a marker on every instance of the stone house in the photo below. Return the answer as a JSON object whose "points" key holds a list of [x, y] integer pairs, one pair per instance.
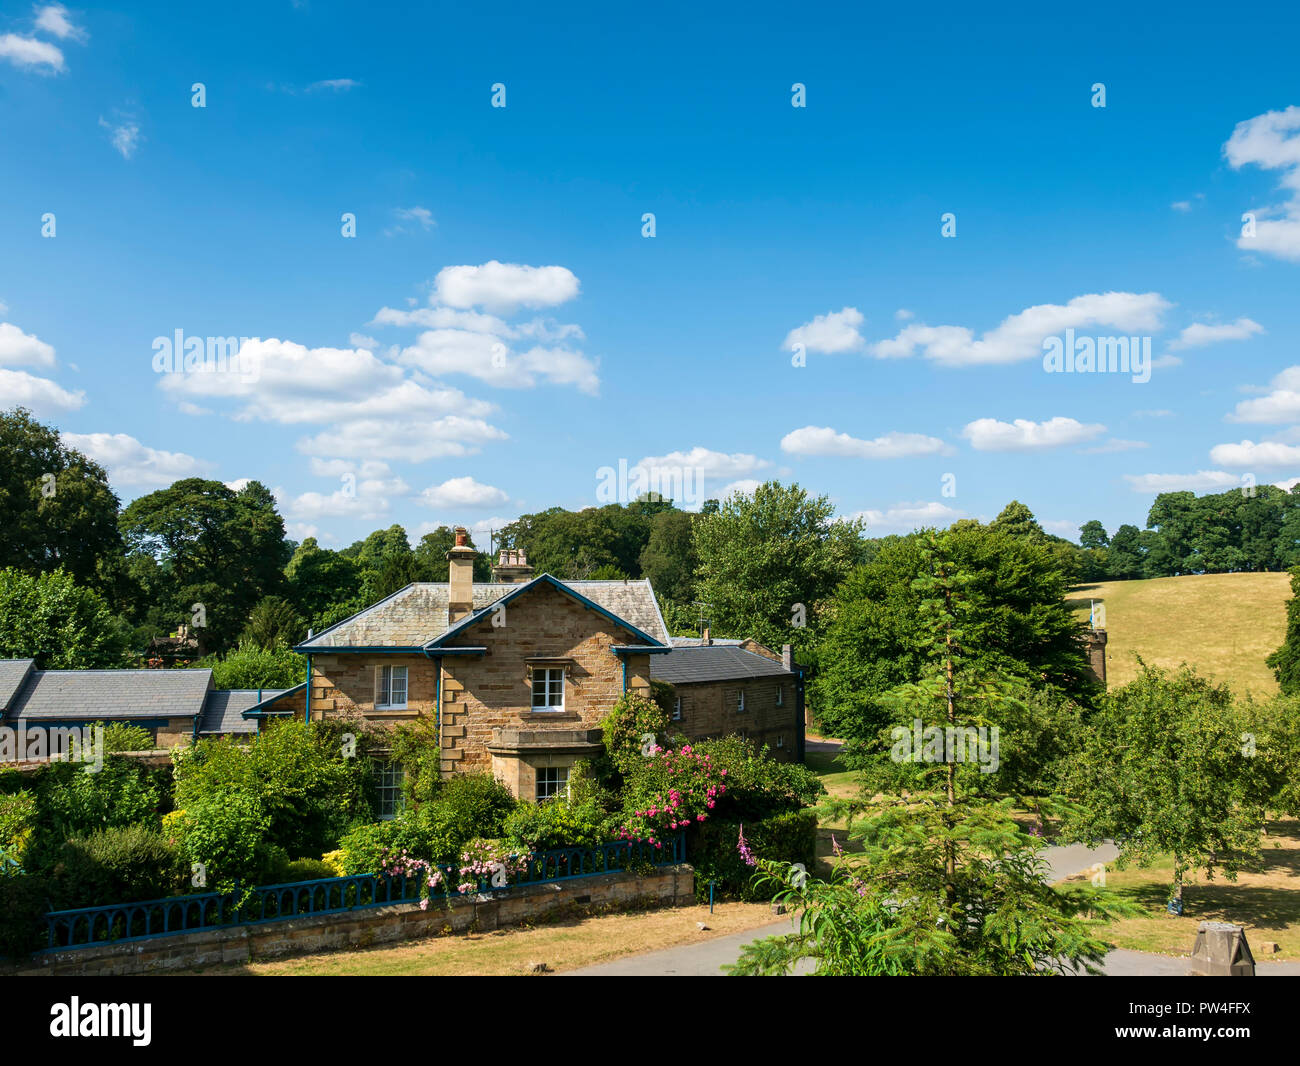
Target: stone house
{"points": [[517, 673], [736, 686]]}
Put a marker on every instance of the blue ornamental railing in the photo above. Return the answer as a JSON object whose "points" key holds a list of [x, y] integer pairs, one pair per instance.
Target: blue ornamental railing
{"points": [[91, 926]]}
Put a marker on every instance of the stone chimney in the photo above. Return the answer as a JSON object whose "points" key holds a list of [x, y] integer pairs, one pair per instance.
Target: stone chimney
{"points": [[460, 564], [705, 636], [512, 567], [787, 658]]}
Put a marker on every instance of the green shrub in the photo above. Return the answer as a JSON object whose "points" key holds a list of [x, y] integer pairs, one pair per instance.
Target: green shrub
{"points": [[308, 870], [122, 736], [477, 804], [226, 834], [557, 823], [631, 719], [23, 903], [363, 846], [72, 802], [250, 666], [17, 820], [298, 775], [712, 849], [119, 865]]}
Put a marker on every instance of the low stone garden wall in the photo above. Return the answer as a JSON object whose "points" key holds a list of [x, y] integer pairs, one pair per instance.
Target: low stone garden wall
{"points": [[370, 927]]}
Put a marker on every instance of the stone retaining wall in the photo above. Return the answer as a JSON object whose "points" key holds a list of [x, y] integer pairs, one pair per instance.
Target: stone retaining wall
{"points": [[665, 886]]}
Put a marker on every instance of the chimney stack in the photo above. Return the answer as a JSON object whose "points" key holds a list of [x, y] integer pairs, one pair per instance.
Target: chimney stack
{"points": [[706, 636], [787, 658], [460, 574], [511, 567]]}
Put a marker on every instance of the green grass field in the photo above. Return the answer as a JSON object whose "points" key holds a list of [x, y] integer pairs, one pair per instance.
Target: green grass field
{"points": [[1223, 625]]}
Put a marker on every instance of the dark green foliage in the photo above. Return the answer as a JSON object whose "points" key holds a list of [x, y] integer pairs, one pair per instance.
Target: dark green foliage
{"points": [[60, 624], [59, 512], [624, 730], [119, 865], [1285, 662], [711, 849], [73, 802], [23, 902], [770, 561], [1168, 767], [557, 823], [304, 786], [272, 624], [252, 667], [1020, 626], [199, 542]]}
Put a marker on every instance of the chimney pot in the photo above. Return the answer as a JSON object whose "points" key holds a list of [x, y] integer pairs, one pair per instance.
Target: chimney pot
{"points": [[707, 636]]}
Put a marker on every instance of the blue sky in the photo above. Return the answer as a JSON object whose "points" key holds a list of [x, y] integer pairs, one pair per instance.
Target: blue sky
{"points": [[499, 329]]}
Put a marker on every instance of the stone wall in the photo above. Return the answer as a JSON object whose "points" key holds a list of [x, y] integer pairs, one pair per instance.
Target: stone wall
{"points": [[352, 930], [711, 709]]}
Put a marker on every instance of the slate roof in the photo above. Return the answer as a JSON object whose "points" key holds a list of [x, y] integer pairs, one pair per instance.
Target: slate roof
{"points": [[713, 662], [13, 672], [223, 710], [92, 695], [417, 614]]}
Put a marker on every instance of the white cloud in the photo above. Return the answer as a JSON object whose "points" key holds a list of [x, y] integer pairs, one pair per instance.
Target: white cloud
{"points": [[479, 531], [123, 132], [130, 463], [743, 487], [360, 340], [40, 395], [420, 216], [18, 348], [1113, 445], [53, 19], [1199, 334], [341, 503], [484, 356], [462, 492], [412, 441], [904, 315], [239, 484], [1281, 403], [30, 54], [369, 469], [281, 381], [822, 440], [1022, 435], [1201, 481], [1153, 412], [1020, 336], [504, 287], [835, 331], [1182, 205], [1271, 141], [1249, 454], [710, 464], [338, 85], [905, 517]]}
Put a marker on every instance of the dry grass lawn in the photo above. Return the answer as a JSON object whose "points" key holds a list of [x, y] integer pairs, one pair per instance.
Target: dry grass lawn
{"points": [[1224, 625], [563, 945], [1267, 902]]}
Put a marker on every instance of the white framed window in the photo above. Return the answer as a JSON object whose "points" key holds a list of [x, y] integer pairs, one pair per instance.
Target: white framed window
{"points": [[677, 709], [548, 688], [780, 695], [389, 778], [390, 688], [740, 701], [552, 781]]}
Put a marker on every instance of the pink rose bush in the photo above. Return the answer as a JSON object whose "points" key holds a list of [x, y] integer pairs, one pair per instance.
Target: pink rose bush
{"points": [[675, 789]]}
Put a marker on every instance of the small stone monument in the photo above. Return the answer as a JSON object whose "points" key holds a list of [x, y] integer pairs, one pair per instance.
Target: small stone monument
{"points": [[1221, 951]]}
